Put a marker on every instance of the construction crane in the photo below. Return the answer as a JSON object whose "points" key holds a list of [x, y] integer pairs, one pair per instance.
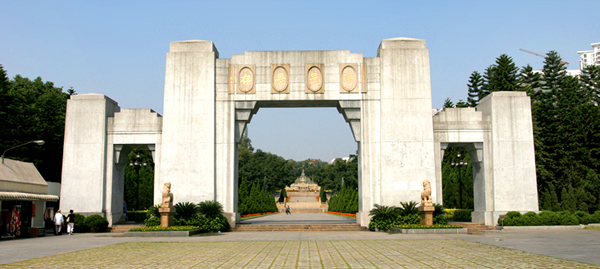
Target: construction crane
{"points": [[543, 56]]}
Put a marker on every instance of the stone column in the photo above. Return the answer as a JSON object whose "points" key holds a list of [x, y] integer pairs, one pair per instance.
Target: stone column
{"points": [[426, 213], [188, 138], [166, 216]]}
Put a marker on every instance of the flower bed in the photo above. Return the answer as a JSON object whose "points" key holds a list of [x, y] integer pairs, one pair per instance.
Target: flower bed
{"points": [[435, 226], [161, 229], [343, 214], [258, 214], [428, 229]]}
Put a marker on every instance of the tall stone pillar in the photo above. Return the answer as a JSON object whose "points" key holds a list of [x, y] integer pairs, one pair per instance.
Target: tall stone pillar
{"points": [[84, 156], [510, 156], [188, 152], [406, 127]]}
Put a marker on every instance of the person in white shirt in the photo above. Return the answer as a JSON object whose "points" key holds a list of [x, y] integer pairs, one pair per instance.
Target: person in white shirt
{"points": [[58, 220]]}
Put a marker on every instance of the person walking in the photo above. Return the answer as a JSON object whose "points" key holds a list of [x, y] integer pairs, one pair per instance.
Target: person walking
{"points": [[58, 222], [287, 210], [70, 222]]}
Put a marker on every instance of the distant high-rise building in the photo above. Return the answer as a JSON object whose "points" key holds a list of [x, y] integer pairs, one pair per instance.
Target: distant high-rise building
{"points": [[589, 57]]}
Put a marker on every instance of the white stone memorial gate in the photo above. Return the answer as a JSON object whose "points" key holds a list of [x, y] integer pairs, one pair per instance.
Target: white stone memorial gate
{"points": [[208, 101]]}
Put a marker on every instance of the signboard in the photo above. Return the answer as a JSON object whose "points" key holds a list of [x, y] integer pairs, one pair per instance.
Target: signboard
{"points": [[416, 185], [400, 185]]}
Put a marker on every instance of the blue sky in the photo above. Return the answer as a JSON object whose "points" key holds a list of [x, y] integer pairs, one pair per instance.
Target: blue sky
{"points": [[118, 48]]}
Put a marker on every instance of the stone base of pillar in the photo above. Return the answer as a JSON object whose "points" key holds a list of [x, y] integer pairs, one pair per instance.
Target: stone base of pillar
{"points": [[426, 213], [166, 216]]}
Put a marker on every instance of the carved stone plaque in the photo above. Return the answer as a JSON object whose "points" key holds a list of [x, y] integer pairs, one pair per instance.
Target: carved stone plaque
{"points": [[364, 77], [230, 81], [314, 78], [280, 78], [348, 78], [246, 79]]}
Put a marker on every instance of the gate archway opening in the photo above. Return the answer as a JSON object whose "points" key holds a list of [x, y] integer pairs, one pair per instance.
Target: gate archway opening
{"points": [[296, 140]]}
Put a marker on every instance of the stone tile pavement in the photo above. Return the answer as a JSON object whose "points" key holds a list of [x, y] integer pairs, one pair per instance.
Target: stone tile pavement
{"points": [[394, 253], [497, 249]]}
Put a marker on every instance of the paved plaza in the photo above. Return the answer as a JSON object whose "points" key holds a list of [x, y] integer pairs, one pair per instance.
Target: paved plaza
{"points": [[501, 249], [300, 218]]}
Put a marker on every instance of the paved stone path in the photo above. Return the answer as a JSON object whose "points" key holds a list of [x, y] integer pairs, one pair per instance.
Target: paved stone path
{"points": [[499, 249], [301, 254], [300, 218]]}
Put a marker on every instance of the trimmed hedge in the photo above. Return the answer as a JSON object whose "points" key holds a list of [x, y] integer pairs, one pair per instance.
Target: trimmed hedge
{"points": [[549, 218], [385, 217], [458, 214], [344, 202], [96, 223], [137, 216]]}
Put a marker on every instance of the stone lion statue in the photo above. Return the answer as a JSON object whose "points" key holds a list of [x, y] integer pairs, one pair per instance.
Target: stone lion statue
{"points": [[426, 193], [167, 196]]}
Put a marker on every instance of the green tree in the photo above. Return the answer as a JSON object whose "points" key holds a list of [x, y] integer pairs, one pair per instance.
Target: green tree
{"points": [[323, 195], [474, 87], [455, 176], [487, 77], [33, 110], [448, 103], [139, 190], [504, 77], [529, 81]]}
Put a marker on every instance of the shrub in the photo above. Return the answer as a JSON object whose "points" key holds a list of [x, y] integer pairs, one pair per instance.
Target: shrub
{"points": [[383, 217], [80, 226], [583, 217], [96, 223], [512, 214], [409, 208], [595, 218], [218, 223], [153, 212], [548, 218], [567, 218], [210, 209], [200, 222], [411, 219], [443, 220], [137, 216], [154, 221], [384, 212], [459, 214], [185, 210], [531, 219], [439, 210]]}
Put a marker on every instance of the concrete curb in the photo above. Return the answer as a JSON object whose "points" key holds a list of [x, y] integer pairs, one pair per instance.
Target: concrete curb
{"points": [[429, 231], [162, 233], [541, 228]]}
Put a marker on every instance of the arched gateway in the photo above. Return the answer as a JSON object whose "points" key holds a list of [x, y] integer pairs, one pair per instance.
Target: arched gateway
{"points": [[385, 99]]}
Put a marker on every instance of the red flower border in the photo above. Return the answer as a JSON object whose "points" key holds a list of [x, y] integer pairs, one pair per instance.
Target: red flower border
{"points": [[343, 214]]}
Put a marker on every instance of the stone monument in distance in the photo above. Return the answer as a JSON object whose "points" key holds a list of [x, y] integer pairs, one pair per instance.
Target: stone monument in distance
{"points": [[426, 208], [167, 211]]}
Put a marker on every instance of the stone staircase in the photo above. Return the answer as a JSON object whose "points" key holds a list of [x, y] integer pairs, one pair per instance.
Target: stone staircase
{"points": [[474, 228], [121, 228], [298, 227]]}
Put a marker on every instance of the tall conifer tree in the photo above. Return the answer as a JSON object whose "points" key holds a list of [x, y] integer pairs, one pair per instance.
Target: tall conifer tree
{"points": [[504, 77], [474, 86]]}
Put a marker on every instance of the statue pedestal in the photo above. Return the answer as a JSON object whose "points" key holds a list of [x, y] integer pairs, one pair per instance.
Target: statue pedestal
{"points": [[166, 216], [426, 213]]}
